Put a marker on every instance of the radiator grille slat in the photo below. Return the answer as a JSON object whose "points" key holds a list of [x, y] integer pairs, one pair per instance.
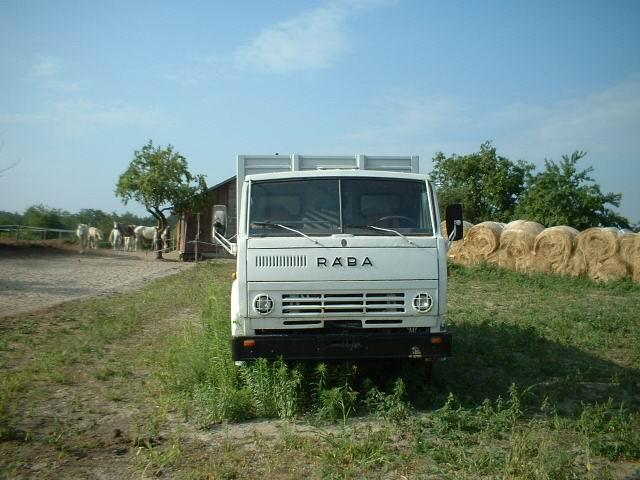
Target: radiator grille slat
{"points": [[344, 303]]}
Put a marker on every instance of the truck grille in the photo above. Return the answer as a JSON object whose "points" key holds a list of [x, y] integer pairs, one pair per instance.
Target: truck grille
{"points": [[281, 261], [340, 303]]}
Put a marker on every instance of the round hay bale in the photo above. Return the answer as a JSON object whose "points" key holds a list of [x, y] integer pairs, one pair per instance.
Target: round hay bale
{"points": [[553, 248], [612, 268], [630, 252], [484, 238], [601, 250], [598, 244], [516, 244], [630, 247]]}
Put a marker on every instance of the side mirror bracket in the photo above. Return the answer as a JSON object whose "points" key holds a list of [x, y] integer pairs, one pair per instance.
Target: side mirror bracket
{"points": [[219, 223], [455, 226]]}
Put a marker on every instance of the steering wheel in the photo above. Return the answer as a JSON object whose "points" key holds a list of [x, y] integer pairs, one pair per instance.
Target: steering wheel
{"points": [[410, 221]]}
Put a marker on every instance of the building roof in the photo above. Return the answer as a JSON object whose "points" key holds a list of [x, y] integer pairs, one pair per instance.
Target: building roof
{"points": [[224, 182]]}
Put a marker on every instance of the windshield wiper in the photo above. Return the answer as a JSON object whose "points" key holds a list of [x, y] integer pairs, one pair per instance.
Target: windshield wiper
{"points": [[279, 225], [390, 230]]}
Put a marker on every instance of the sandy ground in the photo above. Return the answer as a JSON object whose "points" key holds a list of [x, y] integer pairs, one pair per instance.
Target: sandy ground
{"points": [[36, 278]]}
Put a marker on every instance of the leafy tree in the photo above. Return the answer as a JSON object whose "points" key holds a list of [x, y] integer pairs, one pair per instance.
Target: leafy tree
{"points": [[45, 217], [563, 195], [487, 185], [96, 218], [159, 179], [9, 218], [129, 218]]}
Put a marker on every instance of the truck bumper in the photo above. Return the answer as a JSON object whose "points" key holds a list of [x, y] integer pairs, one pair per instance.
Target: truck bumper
{"points": [[342, 346]]}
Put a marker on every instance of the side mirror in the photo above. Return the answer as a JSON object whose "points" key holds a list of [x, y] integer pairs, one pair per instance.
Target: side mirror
{"points": [[219, 221], [454, 222]]}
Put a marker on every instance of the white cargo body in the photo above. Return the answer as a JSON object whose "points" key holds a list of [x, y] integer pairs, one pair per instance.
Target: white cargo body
{"points": [[337, 257]]}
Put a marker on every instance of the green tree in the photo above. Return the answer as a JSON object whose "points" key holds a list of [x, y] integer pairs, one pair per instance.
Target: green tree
{"points": [[129, 218], [159, 179], [10, 218], [564, 195], [486, 184], [96, 218], [45, 217]]}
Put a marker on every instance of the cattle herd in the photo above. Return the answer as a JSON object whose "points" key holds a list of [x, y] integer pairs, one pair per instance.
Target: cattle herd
{"points": [[125, 237]]}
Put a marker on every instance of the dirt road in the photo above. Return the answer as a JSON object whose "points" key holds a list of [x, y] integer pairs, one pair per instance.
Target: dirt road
{"points": [[36, 278]]}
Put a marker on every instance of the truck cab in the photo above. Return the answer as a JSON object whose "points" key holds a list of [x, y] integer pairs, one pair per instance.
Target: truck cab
{"points": [[338, 258]]}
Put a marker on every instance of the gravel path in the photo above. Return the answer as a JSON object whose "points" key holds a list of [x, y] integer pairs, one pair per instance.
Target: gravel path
{"points": [[32, 279]]}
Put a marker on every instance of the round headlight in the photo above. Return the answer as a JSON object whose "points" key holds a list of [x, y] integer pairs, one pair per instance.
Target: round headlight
{"points": [[263, 304], [423, 302]]}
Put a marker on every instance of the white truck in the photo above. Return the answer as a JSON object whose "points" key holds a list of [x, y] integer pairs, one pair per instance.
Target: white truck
{"points": [[338, 257]]}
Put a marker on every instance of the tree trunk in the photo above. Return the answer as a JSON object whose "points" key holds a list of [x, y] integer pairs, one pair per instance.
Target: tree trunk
{"points": [[162, 224]]}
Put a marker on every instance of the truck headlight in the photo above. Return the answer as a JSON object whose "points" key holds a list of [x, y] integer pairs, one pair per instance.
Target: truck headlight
{"points": [[422, 302], [263, 304]]}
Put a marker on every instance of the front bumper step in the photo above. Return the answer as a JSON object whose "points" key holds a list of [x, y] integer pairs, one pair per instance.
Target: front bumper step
{"points": [[342, 346]]}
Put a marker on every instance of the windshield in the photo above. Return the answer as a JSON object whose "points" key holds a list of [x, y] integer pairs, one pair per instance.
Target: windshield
{"points": [[326, 206]]}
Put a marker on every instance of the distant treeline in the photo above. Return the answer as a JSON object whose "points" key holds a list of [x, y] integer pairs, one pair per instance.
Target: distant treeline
{"points": [[46, 217]]}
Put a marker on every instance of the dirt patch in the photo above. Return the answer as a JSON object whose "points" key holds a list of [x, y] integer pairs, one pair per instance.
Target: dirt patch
{"points": [[39, 277]]}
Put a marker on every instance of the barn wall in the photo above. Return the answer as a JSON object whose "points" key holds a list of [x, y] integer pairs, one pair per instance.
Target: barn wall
{"points": [[224, 194]]}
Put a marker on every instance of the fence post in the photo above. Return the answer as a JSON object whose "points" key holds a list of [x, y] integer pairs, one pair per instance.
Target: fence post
{"points": [[197, 236]]}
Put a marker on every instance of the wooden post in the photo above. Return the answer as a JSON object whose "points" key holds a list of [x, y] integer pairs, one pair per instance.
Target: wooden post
{"points": [[197, 235]]}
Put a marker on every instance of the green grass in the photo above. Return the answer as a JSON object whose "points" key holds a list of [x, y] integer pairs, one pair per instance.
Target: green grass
{"points": [[65, 344], [543, 385]]}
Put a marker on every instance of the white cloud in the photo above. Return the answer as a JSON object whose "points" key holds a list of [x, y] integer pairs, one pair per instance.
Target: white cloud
{"points": [[46, 73], [46, 67], [605, 124], [314, 39], [602, 123], [201, 69]]}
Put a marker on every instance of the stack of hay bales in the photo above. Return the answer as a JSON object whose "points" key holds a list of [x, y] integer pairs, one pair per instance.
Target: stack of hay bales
{"points": [[601, 250], [603, 254]]}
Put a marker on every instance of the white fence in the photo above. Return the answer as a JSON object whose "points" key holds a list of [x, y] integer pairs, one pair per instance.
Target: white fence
{"points": [[24, 232]]}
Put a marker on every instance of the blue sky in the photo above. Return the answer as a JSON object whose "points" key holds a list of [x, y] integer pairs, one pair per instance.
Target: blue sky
{"points": [[84, 84]]}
